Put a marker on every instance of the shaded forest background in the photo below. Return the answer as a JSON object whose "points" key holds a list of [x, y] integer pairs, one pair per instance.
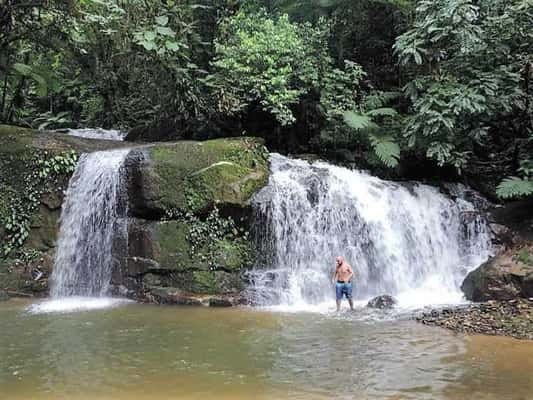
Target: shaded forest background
{"points": [[438, 89]]}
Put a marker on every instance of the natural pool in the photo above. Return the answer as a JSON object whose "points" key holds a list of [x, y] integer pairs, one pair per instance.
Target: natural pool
{"points": [[154, 352]]}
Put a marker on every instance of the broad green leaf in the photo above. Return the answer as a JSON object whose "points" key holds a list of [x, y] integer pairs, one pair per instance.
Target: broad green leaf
{"points": [[171, 45], [165, 31], [382, 112], [23, 69], [148, 45], [149, 35], [162, 20]]}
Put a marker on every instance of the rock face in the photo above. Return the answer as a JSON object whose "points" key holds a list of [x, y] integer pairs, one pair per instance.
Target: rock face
{"points": [[190, 210], [383, 301], [507, 276]]}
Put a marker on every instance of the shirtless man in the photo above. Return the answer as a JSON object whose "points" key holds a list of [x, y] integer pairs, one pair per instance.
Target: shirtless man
{"points": [[343, 281]]}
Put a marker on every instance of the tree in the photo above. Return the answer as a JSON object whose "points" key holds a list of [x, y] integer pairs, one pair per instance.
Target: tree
{"points": [[28, 39], [267, 60], [470, 87]]}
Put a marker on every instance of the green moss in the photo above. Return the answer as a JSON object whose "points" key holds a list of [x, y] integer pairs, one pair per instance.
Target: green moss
{"points": [[27, 172], [232, 255], [15, 139], [205, 282], [193, 176], [173, 245], [524, 256]]}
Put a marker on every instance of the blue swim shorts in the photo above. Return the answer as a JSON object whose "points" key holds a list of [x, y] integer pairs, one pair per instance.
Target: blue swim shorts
{"points": [[343, 288]]}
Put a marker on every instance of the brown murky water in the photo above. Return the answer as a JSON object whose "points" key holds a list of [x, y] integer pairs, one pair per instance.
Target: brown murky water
{"points": [[159, 353]]}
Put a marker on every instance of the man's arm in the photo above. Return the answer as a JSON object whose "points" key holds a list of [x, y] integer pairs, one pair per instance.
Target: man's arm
{"points": [[335, 274]]}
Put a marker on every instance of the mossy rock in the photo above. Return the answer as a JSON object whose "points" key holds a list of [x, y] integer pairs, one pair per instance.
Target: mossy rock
{"points": [[194, 176], [506, 276], [160, 255], [233, 255], [172, 249]]}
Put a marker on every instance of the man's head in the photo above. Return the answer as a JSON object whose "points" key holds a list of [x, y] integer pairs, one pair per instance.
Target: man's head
{"points": [[338, 260]]}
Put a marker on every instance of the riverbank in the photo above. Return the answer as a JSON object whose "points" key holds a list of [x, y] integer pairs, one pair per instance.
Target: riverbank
{"points": [[512, 318]]}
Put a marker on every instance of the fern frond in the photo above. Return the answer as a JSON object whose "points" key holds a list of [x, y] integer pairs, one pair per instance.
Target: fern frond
{"points": [[386, 149], [382, 112], [356, 120], [513, 187]]}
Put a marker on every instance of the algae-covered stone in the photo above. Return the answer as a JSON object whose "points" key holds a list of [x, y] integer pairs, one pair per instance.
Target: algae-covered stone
{"points": [[162, 255], [507, 276], [193, 176], [232, 255], [160, 245]]}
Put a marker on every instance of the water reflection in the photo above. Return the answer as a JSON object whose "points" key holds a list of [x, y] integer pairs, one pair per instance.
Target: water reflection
{"points": [[150, 352], [374, 359]]}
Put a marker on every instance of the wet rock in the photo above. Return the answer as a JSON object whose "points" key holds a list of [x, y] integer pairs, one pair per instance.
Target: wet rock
{"points": [[507, 276], [220, 302], [516, 215], [3, 295], [383, 301], [503, 235]]}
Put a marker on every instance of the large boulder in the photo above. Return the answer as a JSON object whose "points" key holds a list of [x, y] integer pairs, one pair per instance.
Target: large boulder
{"points": [[194, 176], [162, 254], [506, 276], [190, 203]]}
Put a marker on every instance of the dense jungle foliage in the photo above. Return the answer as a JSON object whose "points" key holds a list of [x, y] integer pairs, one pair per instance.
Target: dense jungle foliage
{"points": [[423, 88]]}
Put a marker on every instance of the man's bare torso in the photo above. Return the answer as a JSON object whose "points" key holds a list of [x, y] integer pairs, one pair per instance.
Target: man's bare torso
{"points": [[344, 272]]}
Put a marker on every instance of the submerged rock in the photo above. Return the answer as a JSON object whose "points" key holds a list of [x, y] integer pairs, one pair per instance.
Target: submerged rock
{"points": [[3, 295], [507, 276], [383, 301], [176, 296]]}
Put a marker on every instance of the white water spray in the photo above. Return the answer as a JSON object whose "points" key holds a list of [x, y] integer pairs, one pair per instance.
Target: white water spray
{"points": [[409, 241], [90, 222]]}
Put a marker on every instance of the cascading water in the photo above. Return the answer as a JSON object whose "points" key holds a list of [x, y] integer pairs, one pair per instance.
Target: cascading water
{"points": [[90, 222], [97, 133], [409, 240]]}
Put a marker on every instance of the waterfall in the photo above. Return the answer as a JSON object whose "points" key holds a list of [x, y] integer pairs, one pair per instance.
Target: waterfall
{"points": [[407, 240], [90, 224]]}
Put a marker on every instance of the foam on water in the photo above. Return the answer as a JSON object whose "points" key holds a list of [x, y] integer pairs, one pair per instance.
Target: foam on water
{"points": [[75, 304], [406, 240]]}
